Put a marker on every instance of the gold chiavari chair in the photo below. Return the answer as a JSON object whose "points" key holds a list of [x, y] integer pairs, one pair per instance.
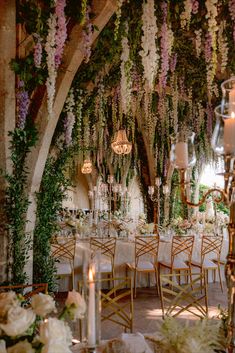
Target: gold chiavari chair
{"points": [[211, 246], [116, 302], [106, 248], [63, 251], [177, 299], [182, 246], [27, 290], [146, 256]]}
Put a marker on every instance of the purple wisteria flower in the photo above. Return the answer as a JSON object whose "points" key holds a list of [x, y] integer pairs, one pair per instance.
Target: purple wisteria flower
{"points": [[22, 104], [231, 6], [173, 62], [37, 51], [208, 48], [61, 32], [87, 34], [210, 114]]}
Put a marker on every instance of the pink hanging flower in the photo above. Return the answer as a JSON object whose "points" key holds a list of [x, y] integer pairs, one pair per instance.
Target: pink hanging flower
{"points": [[210, 114], [173, 62], [195, 6], [208, 48], [37, 51], [61, 32], [87, 36], [22, 104]]}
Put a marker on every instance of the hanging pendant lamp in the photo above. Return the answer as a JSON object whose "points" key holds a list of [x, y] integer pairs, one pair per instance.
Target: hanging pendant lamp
{"points": [[121, 145], [87, 167]]}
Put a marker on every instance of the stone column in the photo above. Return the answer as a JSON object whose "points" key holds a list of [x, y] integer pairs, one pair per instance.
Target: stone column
{"points": [[7, 111]]}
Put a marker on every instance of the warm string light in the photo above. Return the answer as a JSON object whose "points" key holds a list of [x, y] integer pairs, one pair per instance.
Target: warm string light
{"points": [[87, 167]]}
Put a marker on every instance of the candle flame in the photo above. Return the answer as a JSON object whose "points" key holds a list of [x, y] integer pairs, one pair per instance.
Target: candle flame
{"points": [[233, 115], [91, 274]]}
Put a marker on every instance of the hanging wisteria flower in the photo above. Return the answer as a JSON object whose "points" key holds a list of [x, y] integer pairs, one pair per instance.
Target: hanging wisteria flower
{"points": [[70, 118], [231, 6], [50, 49], [118, 17], [198, 42], [61, 31], [211, 6], [149, 52], [223, 46], [195, 6], [22, 103], [185, 16], [210, 114], [208, 48], [126, 84], [165, 47], [37, 51], [87, 36], [173, 61]]}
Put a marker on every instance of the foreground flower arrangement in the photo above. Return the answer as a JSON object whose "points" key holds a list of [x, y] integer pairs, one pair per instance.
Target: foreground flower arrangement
{"points": [[28, 329]]}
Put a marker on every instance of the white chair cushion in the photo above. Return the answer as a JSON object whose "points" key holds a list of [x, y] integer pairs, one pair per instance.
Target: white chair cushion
{"points": [[145, 265], [63, 268], [178, 264], [206, 264]]}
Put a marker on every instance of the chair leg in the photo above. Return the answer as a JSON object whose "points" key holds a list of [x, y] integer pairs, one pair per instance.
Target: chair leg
{"points": [[220, 279], [135, 273], [156, 278]]}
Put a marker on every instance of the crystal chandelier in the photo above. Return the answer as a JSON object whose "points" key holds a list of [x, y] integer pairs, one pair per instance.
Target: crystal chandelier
{"points": [[121, 145], [87, 167]]}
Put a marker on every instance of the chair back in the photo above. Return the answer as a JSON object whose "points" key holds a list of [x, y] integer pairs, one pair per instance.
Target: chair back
{"points": [[182, 245], [116, 302], [105, 246], [64, 250], [177, 299], [146, 245], [27, 290], [211, 245]]}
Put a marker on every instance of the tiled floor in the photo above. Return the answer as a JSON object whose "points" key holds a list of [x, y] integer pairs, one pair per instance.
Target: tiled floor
{"points": [[148, 314]]}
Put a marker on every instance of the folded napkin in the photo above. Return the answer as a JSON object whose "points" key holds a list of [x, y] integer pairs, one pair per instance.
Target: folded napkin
{"points": [[135, 343]]}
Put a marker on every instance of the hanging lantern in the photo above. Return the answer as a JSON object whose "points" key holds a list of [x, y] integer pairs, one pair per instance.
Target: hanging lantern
{"points": [[121, 145], [87, 167]]}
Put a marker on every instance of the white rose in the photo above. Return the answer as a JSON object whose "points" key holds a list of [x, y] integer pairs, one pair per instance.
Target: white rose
{"points": [[3, 346], [18, 321], [55, 347], [21, 347], [76, 305], [7, 300], [53, 329], [43, 304]]}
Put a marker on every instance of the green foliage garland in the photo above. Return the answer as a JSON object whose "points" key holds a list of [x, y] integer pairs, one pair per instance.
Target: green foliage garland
{"points": [[17, 204], [49, 203]]}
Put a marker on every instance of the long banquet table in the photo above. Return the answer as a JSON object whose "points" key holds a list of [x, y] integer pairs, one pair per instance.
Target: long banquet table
{"points": [[125, 253]]}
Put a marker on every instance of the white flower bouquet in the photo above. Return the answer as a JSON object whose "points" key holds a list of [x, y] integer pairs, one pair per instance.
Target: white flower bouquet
{"points": [[29, 329]]}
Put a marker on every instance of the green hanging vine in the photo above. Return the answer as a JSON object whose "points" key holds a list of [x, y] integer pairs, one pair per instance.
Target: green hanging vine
{"points": [[17, 203]]}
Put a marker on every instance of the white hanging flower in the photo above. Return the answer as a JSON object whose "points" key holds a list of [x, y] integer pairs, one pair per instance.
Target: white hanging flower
{"points": [[70, 118], [50, 48], [149, 52], [185, 16], [211, 6], [126, 83]]}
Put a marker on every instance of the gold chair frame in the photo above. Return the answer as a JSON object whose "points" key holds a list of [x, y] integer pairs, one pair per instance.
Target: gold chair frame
{"points": [[181, 298], [180, 245], [106, 247], [211, 244], [65, 251], [145, 245], [113, 304], [35, 288]]}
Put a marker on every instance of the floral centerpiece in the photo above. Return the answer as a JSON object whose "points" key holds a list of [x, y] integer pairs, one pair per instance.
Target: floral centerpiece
{"points": [[28, 329], [180, 226], [205, 335]]}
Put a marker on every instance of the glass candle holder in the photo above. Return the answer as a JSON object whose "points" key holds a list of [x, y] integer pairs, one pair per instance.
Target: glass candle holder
{"points": [[223, 137], [182, 150]]}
